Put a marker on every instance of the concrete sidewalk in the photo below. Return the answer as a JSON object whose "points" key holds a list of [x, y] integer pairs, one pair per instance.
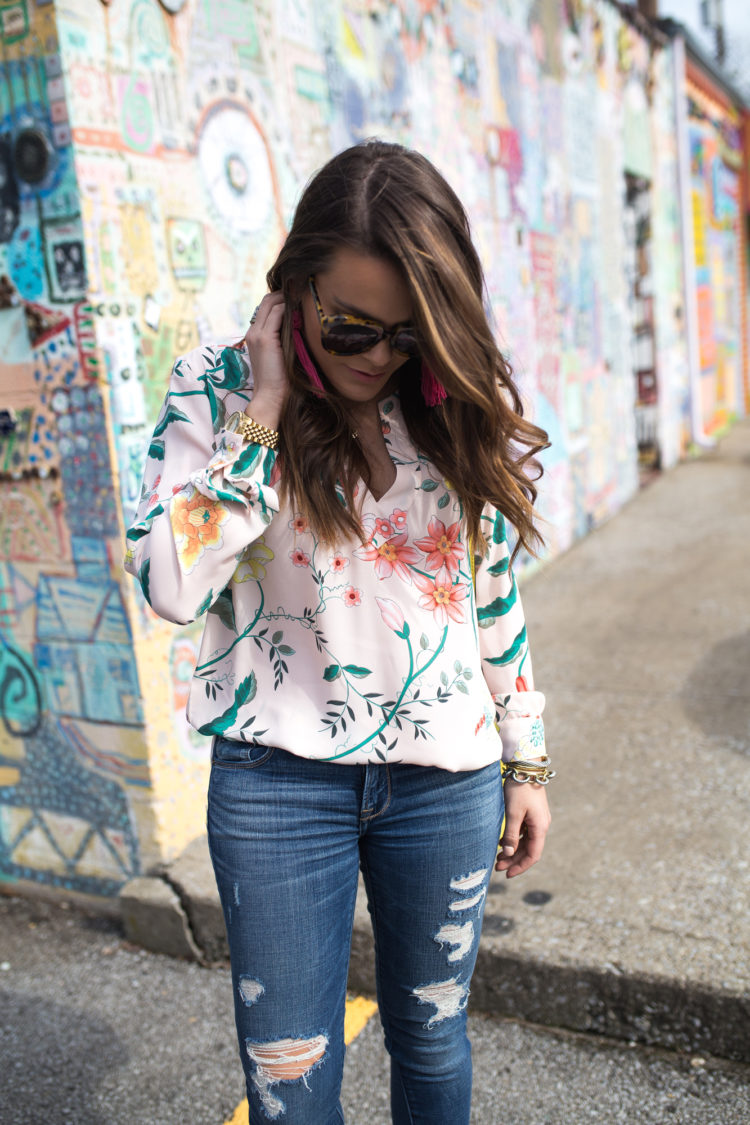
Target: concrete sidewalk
{"points": [[637, 922]]}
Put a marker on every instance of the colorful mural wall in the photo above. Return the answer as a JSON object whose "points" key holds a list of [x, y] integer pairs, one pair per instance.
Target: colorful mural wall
{"points": [[715, 132], [73, 762], [166, 143]]}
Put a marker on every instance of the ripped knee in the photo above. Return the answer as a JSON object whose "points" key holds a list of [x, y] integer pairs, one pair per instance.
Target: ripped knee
{"points": [[448, 997], [283, 1060]]}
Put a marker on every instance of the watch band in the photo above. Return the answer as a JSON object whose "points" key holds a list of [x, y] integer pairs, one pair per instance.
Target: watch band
{"points": [[250, 430]]}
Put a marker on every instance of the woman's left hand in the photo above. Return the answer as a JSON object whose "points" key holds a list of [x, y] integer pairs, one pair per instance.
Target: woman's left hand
{"points": [[527, 819]]}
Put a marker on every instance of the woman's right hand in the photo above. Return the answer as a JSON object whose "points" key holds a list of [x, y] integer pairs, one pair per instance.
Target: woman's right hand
{"points": [[270, 381]]}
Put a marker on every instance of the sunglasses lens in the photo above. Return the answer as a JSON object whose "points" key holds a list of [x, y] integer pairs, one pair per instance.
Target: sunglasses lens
{"points": [[406, 342], [350, 339]]}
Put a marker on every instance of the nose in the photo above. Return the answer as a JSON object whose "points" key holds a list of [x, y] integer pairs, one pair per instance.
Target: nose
{"points": [[380, 355]]}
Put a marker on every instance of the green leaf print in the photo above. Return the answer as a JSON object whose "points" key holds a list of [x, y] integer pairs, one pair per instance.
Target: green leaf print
{"points": [[246, 461], [498, 530], [500, 606], [143, 578], [133, 534], [444, 500], [510, 653], [223, 607], [205, 604], [245, 693], [499, 568], [332, 672], [355, 670], [156, 449], [172, 415], [429, 485], [233, 369], [212, 401]]}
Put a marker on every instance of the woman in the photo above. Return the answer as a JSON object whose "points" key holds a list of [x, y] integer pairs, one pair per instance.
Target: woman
{"points": [[333, 494]]}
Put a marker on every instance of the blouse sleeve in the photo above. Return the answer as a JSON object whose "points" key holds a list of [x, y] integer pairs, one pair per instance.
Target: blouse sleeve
{"points": [[504, 648], [206, 496]]}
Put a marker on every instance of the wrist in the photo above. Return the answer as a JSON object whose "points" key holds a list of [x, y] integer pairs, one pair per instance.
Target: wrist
{"points": [[265, 410]]}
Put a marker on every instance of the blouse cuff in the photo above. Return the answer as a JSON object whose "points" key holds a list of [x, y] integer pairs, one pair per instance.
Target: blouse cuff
{"points": [[240, 471], [520, 725]]}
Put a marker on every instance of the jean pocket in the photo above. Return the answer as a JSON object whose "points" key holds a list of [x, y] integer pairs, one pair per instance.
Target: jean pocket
{"points": [[230, 753]]}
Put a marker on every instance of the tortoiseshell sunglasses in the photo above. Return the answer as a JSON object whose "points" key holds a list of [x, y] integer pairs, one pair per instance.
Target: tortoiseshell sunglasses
{"points": [[351, 335]]}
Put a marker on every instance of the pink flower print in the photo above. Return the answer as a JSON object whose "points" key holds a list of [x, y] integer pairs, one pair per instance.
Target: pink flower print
{"points": [[299, 558], [391, 613], [442, 599], [298, 525], [352, 596], [442, 549], [153, 496], [338, 563], [275, 474], [398, 519], [392, 555], [383, 527], [385, 427]]}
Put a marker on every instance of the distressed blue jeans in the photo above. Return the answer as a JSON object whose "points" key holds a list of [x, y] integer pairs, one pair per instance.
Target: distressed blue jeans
{"points": [[287, 838]]}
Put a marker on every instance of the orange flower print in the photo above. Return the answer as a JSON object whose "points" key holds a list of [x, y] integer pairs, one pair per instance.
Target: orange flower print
{"points": [[398, 519], [196, 525], [442, 599], [383, 527], [442, 549], [299, 558], [352, 596]]}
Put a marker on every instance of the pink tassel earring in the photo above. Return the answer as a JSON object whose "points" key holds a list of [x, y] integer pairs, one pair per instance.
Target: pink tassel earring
{"points": [[433, 391], [302, 353]]}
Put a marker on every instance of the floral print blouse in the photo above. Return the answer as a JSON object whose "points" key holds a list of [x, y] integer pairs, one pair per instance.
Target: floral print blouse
{"points": [[388, 651]]}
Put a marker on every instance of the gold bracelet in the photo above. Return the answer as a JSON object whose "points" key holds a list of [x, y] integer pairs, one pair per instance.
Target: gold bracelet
{"points": [[250, 430], [538, 772]]}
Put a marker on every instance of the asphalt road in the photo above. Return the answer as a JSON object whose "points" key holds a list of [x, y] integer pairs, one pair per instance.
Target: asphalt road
{"points": [[96, 1032]]}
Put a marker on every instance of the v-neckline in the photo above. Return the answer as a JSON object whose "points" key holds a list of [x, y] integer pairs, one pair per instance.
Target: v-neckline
{"points": [[388, 491]]}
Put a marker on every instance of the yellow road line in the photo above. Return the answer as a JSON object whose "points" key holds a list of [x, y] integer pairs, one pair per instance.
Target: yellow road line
{"points": [[239, 1117], [358, 1011]]}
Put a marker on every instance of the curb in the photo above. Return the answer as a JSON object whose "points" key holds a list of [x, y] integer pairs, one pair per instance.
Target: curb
{"points": [[176, 911]]}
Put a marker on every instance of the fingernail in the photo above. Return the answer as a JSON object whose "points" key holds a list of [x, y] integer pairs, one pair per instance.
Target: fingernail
{"points": [[508, 852]]}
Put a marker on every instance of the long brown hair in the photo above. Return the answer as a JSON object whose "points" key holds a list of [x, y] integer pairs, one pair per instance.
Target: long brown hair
{"points": [[389, 202]]}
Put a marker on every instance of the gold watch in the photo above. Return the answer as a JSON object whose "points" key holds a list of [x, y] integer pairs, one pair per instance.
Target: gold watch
{"points": [[240, 423]]}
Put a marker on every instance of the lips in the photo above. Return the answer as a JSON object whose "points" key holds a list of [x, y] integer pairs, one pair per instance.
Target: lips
{"points": [[368, 374]]}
